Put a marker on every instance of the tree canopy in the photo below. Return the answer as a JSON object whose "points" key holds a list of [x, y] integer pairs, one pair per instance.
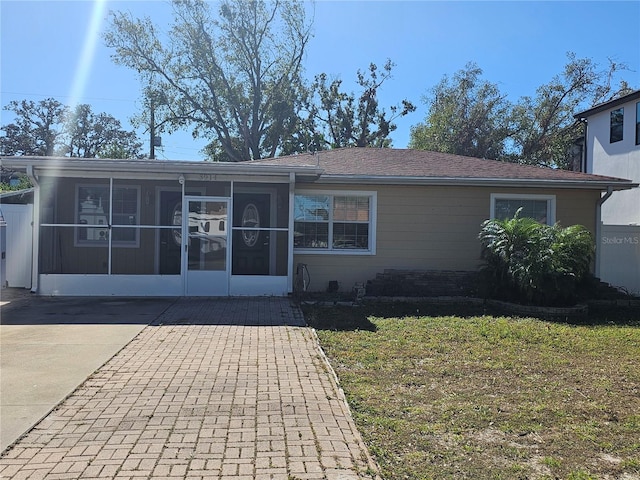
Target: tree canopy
{"points": [[92, 135], [467, 116], [234, 77], [339, 119], [48, 128], [37, 129], [470, 116], [544, 127]]}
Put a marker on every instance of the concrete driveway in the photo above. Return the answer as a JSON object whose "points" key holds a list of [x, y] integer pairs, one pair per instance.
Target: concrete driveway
{"points": [[49, 346]]}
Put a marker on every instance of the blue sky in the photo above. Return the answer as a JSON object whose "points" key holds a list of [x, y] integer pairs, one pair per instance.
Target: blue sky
{"points": [[54, 49]]}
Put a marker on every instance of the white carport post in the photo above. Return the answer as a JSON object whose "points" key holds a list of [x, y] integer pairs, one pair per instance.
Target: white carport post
{"points": [[35, 230], [184, 235]]}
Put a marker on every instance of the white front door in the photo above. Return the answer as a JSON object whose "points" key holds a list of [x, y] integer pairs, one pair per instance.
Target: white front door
{"points": [[206, 253]]}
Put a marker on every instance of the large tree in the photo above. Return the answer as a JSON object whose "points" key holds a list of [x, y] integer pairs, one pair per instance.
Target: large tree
{"points": [[92, 135], [37, 128], [339, 119], [234, 77], [470, 116], [544, 127], [49, 128], [467, 116]]}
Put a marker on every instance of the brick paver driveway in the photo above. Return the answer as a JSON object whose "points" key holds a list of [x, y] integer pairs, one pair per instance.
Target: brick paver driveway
{"points": [[215, 389]]}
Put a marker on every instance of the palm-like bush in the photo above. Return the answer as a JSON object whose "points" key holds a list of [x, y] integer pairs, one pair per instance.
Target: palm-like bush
{"points": [[535, 263]]}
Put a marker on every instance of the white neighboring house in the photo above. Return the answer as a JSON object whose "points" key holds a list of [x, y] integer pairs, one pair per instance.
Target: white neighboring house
{"points": [[612, 148]]}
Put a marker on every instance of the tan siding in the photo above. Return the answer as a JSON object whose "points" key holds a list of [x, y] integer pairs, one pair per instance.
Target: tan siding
{"points": [[431, 228], [577, 208]]}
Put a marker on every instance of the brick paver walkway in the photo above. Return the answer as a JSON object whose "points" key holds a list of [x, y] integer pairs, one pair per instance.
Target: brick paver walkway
{"points": [[217, 389]]}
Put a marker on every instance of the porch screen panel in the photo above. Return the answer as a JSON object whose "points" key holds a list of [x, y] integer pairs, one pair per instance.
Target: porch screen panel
{"points": [[282, 254], [57, 201], [260, 229], [271, 258], [125, 214], [102, 226], [92, 213], [136, 261], [60, 255], [207, 230]]}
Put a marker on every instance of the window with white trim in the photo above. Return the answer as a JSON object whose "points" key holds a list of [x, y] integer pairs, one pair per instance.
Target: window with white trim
{"points": [[541, 208], [102, 214], [335, 222]]}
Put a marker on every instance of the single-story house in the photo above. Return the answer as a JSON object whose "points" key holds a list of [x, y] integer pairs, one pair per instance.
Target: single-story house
{"points": [[176, 228]]}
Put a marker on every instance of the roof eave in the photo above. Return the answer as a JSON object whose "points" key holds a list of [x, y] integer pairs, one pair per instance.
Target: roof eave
{"points": [[49, 165], [621, 184], [305, 173], [607, 105]]}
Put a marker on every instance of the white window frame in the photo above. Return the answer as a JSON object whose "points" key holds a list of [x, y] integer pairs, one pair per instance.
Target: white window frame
{"points": [[550, 199], [109, 225], [373, 214]]}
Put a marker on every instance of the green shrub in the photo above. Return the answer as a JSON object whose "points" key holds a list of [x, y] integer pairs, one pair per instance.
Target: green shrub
{"points": [[529, 262]]}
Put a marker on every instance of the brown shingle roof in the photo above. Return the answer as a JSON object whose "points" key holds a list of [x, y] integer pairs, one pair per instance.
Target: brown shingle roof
{"points": [[370, 166], [386, 163]]}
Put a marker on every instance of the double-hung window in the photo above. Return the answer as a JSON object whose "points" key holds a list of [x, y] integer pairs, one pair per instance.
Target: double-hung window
{"points": [[336, 222], [541, 208], [105, 214]]}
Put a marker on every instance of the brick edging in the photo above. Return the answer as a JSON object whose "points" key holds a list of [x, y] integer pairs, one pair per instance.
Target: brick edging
{"points": [[581, 310], [371, 462]]}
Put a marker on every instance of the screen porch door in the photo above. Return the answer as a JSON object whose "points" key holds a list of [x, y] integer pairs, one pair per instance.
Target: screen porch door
{"points": [[206, 253]]}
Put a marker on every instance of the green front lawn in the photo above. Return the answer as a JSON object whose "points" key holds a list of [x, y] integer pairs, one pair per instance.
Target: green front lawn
{"points": [[441, 396]]}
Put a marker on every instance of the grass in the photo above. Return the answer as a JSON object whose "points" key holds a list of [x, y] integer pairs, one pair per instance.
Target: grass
{"points": [[437, 395]]}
